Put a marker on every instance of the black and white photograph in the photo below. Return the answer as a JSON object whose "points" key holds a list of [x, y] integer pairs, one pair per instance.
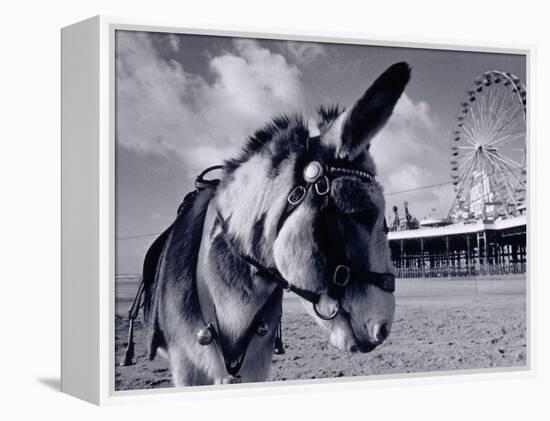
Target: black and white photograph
{"points": [[293, 210]]}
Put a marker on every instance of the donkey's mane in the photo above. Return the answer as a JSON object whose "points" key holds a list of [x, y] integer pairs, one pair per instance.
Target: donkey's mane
{"points": [[327, 114], [287, 122]]}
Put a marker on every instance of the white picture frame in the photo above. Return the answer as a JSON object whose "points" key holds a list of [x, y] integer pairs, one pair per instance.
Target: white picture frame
{"points": [[88, 197]]}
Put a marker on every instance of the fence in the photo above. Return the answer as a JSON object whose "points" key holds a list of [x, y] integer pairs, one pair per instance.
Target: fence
{"points": [[518, 268]]}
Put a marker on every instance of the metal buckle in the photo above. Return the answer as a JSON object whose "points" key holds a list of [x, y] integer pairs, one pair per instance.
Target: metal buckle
{"points": [[296, 195], [341, 275], [324, 316], [320, 191]]}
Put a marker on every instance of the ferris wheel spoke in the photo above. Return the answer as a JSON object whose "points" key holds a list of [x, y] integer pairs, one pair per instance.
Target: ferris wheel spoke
{"points": [[465, 162], [475, 119], [493, 112], [503, 173], [475, 128], [506, 120], [489, 111], [507, 171], [463, 178], [497, 123], [471, 141], [503, 140], [510, 121], [507, 161], [467, 178], [482, 116], [462, 173], [499, 174], [509, 128], [510, 103], [470, 137]]}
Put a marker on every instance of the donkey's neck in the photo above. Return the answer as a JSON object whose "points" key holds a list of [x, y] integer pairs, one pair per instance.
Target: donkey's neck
{"points": [[236, 293]]}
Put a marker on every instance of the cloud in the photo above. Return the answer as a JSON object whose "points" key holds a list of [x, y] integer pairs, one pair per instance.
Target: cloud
{"points": [[408, 153], [407, 111], [163, 109], [174, 42], [304, 52]]}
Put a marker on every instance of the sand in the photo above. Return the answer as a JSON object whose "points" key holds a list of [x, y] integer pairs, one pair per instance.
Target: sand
{"points": [[429, 334]]}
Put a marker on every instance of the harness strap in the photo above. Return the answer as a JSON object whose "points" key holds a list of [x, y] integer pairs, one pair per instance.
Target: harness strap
{"points": [[274, 276], [279, 348], [128, 358], [384, 281], [203, 183], [292, 204], [233, 359]]}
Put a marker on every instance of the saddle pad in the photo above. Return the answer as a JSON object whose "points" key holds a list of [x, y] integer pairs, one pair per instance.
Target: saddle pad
{"points": [[189, 223]]}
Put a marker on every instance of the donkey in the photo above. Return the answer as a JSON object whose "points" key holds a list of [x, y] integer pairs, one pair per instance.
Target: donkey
{"points": [[296, 211]]}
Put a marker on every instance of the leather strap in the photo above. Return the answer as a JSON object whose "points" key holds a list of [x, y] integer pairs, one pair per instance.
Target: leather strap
{"points": [[233, 358]]}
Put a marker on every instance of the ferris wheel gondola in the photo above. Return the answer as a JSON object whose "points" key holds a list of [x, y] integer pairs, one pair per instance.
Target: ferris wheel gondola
{"points": [[488, 148]]}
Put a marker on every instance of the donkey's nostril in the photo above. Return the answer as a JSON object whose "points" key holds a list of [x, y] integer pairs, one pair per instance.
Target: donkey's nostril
{"points": [[380, 332]]}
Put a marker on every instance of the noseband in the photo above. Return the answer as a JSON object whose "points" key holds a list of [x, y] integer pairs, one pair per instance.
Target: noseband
{"points": [[317, 179]]}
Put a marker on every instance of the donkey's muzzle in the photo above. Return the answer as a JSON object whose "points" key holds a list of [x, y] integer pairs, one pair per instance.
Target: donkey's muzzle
{"points": [[379, 332]]}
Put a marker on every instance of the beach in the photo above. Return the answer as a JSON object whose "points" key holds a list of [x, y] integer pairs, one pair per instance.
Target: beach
{"points": [[457, 327]]}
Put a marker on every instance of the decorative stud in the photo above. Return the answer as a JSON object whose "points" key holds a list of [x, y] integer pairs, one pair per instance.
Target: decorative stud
{"points": [[313, 171], [205, 335], [262, 330]]}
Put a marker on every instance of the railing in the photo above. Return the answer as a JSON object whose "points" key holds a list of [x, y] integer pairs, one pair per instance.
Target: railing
{"points": [[517, 268]]}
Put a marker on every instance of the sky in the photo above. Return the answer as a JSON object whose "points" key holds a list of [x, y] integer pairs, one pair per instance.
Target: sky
{"points": [[185, 102]]}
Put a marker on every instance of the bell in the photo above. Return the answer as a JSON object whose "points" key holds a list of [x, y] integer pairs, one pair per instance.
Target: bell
{"points": [[262, 330], [205, 335]]}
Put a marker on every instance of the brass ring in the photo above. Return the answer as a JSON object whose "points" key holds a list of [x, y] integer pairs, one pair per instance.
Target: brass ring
{"points": [[324, 316], [300, 191], [338, 269], [327, 187]]}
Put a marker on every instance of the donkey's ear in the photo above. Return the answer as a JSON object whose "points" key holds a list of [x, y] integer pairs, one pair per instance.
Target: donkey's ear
{"points": [[373, 110]]}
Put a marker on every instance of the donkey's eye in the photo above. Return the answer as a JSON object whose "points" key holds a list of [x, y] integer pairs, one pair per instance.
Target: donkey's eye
{"points": [[368, 146]]}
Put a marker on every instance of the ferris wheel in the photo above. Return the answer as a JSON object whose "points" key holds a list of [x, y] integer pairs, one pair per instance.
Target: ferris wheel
{"points": [[488, 148]]}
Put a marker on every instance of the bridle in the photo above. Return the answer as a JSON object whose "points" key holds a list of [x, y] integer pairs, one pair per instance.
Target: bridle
{"points": [[317, 179]]}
